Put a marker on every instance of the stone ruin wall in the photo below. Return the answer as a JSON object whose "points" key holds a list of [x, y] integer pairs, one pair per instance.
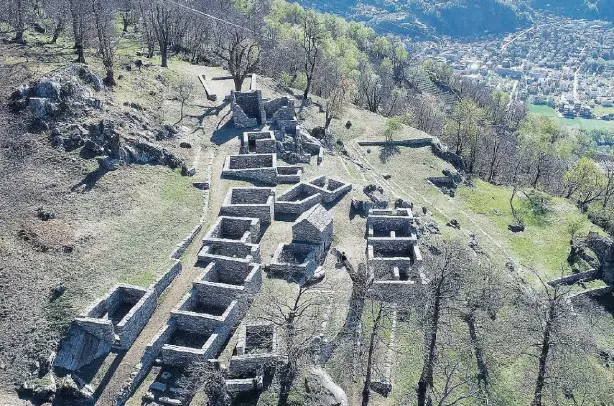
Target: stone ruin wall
{"points": [[143, 305], [250, 202], [252, 167], [132, 324], [247, 108], [251, 161], [280, 264], [264, 142], [307, 233], [235, 227], [285, 205], [402, 246], [329, 195], [241, 282]]}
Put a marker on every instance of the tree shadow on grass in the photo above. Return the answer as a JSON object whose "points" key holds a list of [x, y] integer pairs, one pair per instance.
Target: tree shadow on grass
{"points": [[90, 180], [387, 151], [226, 133]]}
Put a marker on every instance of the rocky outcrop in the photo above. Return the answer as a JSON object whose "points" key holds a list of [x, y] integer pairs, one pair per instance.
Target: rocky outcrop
{"points": [[378, 196], [603, 247]]}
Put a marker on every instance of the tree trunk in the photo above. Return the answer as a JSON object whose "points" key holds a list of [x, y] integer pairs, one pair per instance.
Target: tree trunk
{"points": [[327, 122], [286, 379], [477, 348], [58, 30], [125, 22], [109, 80], [238, 80], [366, 390], [307, 88], [20, 25], [80, 53], [164, 55], [538, 174], [426, 377], [543, 361]]}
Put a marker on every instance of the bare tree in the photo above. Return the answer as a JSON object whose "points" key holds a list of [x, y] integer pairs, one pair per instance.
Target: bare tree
{"points": [[206, 376], [482, 296], [298, 323], [106, 34], [240, 53], [161, 20], [313, 35], [445, 271], [184, 91], [19, 9], [57, 10], [335, 105], [554, 331], [80, 17], [148, 33]]}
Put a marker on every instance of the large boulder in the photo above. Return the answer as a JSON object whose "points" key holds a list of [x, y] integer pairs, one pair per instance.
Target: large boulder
{"points": [[378, 196], [603, 247], [42, 389], [42, 108], [48, 89]]}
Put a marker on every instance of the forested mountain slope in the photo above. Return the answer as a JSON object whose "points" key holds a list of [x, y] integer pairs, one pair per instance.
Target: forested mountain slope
{"points": [[459, 18]]}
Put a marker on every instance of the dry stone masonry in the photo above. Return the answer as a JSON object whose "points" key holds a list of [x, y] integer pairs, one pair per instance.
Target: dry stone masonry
{"points": [[261, 168], [115, 320], [256, 356], [259, 142], [393, 255], [256, 202], [305, 195]]}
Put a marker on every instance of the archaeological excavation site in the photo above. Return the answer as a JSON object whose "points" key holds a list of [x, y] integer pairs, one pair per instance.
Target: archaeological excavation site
{"points": [[255, 203]]}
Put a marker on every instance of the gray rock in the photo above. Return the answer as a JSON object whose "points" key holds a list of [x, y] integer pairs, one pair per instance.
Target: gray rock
{"points": [[43, 388], [39, 107], [109, 164], [48, 89], [169, 401], [158, 386]]}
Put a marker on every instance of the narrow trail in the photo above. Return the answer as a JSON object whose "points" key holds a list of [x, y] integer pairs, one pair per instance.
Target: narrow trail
{"points": [[167, 302]]}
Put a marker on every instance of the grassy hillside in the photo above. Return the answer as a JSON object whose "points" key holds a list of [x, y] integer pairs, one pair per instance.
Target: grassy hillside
{"points": [[123, 229]]}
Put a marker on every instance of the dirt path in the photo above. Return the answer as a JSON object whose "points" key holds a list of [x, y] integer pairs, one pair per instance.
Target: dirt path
{"points": [[167, 302]]}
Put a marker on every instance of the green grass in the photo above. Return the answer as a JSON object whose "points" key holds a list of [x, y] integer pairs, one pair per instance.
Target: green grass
{"points": [[582, 123], [603, 110], [544, 245], [541, 109]]}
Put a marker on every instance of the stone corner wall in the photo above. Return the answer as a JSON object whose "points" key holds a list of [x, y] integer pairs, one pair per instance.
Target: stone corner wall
{"points": [[165, 279]]}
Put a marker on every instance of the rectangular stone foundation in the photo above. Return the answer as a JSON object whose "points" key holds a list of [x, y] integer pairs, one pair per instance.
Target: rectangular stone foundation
{"points": [[237, 257], [295, 261], [261, 168], [120, 316], [261, 142], [250, 202], [330, 189], [289, 174], [239, 229], [218, 280], [297, 200]]}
